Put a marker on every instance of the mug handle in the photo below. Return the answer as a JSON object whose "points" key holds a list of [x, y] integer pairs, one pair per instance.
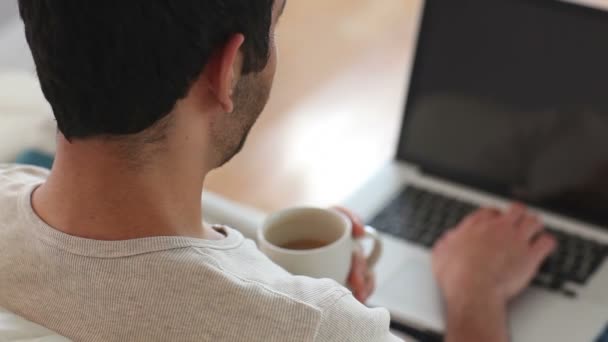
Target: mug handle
{"points": [[374, 255]]}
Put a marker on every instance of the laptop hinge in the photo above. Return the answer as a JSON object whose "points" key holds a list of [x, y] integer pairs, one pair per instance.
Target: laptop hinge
{"points": [[416, 169]]}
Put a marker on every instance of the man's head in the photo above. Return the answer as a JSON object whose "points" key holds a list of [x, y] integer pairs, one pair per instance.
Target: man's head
{"points": [[116, 68]]}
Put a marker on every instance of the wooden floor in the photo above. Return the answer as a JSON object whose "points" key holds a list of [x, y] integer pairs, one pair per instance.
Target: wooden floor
{"points": [[335, 112]]}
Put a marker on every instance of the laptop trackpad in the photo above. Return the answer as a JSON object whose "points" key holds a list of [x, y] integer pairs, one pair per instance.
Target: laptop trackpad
{"points": [[412, 296]]}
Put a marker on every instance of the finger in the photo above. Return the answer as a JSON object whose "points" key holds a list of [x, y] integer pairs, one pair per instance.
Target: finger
{"points": [[357, 276], [481, 215], [540, 249], [531, 226], [443, 240], [370, 285], [515, 214], [357, 294], [358, 226], [352, 280]]}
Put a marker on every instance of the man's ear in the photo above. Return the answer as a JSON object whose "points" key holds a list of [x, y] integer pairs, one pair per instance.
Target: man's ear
{"points": [[223, 71]]}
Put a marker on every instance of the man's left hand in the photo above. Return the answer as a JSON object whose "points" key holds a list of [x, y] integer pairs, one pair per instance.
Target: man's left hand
{"points": [[361, 280]]}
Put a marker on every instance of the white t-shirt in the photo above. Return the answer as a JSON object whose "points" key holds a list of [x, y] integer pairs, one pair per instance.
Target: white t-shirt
{"points": [[162, 288]]}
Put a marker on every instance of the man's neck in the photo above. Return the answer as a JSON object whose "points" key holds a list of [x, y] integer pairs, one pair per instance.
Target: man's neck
{"points": [[92, 192]]}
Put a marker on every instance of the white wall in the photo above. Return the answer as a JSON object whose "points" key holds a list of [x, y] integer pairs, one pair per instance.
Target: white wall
{"points": [[14, 52], [8, 9]]}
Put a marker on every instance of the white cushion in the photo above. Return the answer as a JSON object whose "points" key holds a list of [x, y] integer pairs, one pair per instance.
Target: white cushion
{"points": [[14, 328], [26, 120]]}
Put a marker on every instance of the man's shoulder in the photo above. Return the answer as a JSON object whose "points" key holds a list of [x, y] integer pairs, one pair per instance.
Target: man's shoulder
{"points": [[250, 265], [342, 317], [321, 294]]}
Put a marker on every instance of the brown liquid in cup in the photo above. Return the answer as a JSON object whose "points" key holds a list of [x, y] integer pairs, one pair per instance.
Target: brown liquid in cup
{"points": [[304, 244]]}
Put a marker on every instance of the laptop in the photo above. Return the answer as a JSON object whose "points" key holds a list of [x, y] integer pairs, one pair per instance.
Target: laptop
{"points": [[507, 101]]}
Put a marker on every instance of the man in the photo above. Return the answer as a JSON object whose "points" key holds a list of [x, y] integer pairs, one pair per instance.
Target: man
{"points": [[149, 96]]}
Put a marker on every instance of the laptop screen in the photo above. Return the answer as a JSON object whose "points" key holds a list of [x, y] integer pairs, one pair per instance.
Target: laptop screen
{"points": [[511, 96]]}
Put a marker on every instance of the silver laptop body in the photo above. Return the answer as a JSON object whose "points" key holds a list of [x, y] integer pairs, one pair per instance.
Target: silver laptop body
{"points": [[507, 101]]}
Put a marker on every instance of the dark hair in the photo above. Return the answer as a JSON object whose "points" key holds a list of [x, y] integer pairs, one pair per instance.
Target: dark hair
{"points": [[116, 67]]}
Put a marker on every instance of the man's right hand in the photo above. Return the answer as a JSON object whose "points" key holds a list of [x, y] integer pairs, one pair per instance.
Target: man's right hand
{"points": [[484, 263]]}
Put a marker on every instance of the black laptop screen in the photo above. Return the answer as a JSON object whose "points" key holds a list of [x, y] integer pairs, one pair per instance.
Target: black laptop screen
{"points": [[511, 96]]}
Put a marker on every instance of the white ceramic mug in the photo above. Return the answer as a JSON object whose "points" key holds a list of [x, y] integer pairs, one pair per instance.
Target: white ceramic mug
{"points": [[331, 260]]}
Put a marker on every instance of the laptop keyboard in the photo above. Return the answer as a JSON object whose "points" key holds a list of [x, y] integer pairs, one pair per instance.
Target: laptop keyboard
{"points": [[421, 217]]}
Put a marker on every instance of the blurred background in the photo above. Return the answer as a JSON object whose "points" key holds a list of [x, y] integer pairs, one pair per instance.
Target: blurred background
{"points": [[332, 121]]}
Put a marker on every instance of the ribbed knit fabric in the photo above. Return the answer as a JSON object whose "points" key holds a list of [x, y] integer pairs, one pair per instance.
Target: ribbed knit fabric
{"points": [[162, 288]]}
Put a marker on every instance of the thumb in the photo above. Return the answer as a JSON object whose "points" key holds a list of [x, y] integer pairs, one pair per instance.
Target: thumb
{"points": [[358, 226]]}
